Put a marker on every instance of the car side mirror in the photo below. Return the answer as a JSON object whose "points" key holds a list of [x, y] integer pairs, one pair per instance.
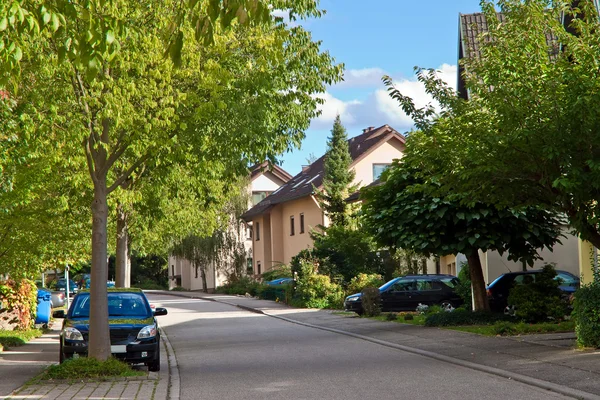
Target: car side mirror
{"points": [[58, 314], [160, 311]]}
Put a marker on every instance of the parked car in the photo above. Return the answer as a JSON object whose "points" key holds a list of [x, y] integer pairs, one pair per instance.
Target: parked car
{"points": [[134, 335], [499, 289], [280, 282], [61, 285], [58, 297], [407, 292], [83, 281]]}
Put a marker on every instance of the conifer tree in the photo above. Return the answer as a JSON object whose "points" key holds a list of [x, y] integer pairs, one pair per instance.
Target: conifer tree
{"points": [[337, 175]]}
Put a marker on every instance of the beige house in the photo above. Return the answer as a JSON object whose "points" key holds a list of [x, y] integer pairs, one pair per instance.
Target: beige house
{"points": [[264, 180], [282, 221]]}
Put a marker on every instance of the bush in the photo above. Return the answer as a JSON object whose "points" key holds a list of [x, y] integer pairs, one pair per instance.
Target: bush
{"points": [[150, 285], [391, 316], [84, 368], [371, 301], [280, 271], [316, 291], [241, 286], [361, 281], [18, 300], [587, 315], [463, 289], [504, 328], [539, 300], [409, 317], [465, 317]]}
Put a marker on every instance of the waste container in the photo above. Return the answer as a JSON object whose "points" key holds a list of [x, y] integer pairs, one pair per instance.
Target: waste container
{"points": [[44, 306]]}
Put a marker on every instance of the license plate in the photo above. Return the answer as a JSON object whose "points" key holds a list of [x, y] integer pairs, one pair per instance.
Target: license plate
{"points": [[118, 349]]}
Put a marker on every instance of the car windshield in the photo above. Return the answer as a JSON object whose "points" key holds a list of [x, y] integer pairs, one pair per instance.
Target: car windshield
{"points": [[386, 285], [123, 304]]}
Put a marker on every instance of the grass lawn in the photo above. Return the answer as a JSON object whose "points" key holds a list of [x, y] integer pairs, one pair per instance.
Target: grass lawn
{"points": [[89, 368], [10, 339], [499, 328]]}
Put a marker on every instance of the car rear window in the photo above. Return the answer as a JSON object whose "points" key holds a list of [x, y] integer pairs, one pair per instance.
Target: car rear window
{"points": [[120, 304]]}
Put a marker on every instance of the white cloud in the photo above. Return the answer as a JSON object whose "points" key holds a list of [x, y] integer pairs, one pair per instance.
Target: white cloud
{"points": [[378, 108]]}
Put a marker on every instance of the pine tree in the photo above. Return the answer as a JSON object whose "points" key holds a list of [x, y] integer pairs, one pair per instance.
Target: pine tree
{"points": [[337, 175]]}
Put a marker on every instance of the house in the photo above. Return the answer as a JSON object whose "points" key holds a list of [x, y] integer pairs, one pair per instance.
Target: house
{"points": [[282, 221], [572, 255], [264, 179]]}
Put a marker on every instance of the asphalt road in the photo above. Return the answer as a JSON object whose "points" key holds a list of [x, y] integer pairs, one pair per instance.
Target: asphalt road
{"points": [[227, 353]]}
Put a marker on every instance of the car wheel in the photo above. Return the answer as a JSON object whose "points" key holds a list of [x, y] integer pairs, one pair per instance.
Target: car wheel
{"points": [[447, 305], [154, 366], [510, 310]]}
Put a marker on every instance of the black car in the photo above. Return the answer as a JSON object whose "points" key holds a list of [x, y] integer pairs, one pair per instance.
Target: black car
{"points": [[499, 289], [407, 292], [134, 334]]}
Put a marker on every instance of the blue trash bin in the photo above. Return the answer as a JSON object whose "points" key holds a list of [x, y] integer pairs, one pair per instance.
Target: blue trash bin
{"points": [[44, 306]]}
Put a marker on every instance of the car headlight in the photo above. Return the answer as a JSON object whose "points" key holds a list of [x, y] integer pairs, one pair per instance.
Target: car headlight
{"points": [[73, 334], [353, 299], [147, 332]]}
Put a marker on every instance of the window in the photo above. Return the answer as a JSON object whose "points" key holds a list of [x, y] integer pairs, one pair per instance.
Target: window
{"points": [[302, 223], [249, 232], [524, 279], [427, 284], [249, 270], [258, 267], [405, 285], [172, 271], [257, 232], [258, 196], [378, 169], [292, 227]]}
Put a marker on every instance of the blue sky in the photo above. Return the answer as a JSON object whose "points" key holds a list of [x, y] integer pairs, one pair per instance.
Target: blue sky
{"points": [[373, 38]]}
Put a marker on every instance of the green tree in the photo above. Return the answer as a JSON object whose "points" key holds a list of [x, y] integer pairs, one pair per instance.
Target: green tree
{"points": [[249, 96], [403, 213], [531, 140], [337, 176]]}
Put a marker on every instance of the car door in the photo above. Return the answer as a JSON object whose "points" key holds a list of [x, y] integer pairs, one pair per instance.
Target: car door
{"points": [[399, 296], [426, 292]]}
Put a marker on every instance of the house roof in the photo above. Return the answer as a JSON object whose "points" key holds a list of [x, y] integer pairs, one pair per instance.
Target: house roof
{"points": [[355, 197], [258, 169], [470, 28], [303, 183]]}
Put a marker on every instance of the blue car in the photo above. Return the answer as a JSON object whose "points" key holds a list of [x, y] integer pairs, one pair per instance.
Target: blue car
{"points": [[279, 282], [61, 285]]}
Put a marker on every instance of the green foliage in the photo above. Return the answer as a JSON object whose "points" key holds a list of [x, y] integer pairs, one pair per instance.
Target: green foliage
{"points": [[461, 316], [149, 272], [345, 252], [587, 315], [409, 317], [316, 291], [371, 301], [19, 298], [504, 328], [241, 286], [540, 299], [361, 281], [279, 271], [16, 338], [463, 289], [86, 368], [337, 176], [391, 316]]}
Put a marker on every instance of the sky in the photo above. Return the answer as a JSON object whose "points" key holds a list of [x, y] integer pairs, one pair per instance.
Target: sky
{"points": [[375, 38]]}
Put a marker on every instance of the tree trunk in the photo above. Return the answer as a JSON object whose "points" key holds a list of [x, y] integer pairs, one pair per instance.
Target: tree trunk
{"points": [[99, 338], [123, 276], [204, 284], [477, 282]]}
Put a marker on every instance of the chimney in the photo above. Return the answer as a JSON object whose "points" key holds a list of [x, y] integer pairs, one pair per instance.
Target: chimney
{"points": [[368, 128], [305, 167]]}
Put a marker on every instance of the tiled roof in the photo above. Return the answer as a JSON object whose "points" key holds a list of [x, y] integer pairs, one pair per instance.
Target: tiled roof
{"points": [[279, 172], [302, 184]]}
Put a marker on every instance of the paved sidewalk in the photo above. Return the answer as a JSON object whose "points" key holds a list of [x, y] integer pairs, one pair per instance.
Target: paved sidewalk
{"points": [[549, 361], [20, 364]]}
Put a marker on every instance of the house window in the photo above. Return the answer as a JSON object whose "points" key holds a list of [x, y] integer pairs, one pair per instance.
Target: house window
{"points": [[249, 232], [292, 227], [257, 232], [378, 170], [172, 271], [258, 196], [302, 223], [249, 270], [196, 268], [258, 268]]}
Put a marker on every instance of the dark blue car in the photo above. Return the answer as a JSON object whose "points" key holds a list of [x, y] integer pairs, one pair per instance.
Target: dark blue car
{"points": [[279, 282], [499, 289], [134, 335]]}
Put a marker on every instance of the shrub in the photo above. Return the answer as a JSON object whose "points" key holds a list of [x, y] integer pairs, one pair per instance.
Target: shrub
{"points": [[314, 290], [391, 316], [361, 281], [409, 317], [371, 301], [241, 286], [150, 285], [465, 317], [19, 304], [83, 367], [280, 271], [539, 300], [463, 289], [587, 314], [504, 328], [434, 309]]}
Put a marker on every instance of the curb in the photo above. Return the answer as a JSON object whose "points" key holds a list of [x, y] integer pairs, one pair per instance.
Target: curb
{"points": [[174, 389], [574, 393]]}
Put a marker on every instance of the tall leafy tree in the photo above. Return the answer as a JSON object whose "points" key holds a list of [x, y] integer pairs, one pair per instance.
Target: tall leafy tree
{"points": [[408, 212], [528, 134], [248, 96], [337, 175]]}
